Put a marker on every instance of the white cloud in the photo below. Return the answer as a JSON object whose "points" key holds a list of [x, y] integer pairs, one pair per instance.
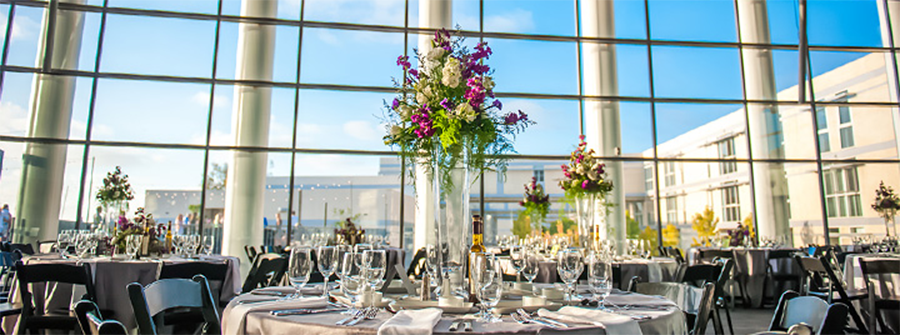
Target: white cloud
{"points": [[328, 37], [221, 101], [307, 133], [23, 27], [13, 119], [361, 130], [516, 20], [357, 11]]}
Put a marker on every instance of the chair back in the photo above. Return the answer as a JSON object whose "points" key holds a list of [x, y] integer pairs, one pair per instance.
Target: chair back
{"points": [[793, 309], [706, 308], [187, 270], [725, 274], [51, 272], [700, 274], [91, 322], [268, 270], [675, 252], [251, 253], [170, 294], [709, 255]]}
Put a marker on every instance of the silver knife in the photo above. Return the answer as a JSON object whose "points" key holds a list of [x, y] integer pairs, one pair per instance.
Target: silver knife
{"points": [[304, 311]]}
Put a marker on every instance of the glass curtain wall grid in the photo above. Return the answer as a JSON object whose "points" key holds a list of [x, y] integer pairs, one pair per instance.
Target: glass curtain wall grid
{"points": [[654, 97]]}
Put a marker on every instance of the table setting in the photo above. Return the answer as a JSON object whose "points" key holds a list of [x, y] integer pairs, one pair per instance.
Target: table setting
{"points": [[362, 301]]}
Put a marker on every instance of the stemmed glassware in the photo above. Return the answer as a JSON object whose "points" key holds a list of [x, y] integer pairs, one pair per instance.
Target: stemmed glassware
{"points": [[517, 259], [209, 243], [133, 245], [530, 267], [569, 265], [63, 239], [374, 264], [433, 267], [327, 262], [299, 269], [351, 281], [487, 276], [599, 276], [193, 241]]}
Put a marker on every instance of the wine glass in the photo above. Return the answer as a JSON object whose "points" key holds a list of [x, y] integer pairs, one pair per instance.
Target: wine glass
{"points": [[599, 276], [489, 283], [569, 265], [530, 267], [517, 259], [374, 264], [646, 249], [133, 245], [351, 280], [209, 243], [299, 268], [193, 244], [62, 242], [327, 262], [81, 243]]}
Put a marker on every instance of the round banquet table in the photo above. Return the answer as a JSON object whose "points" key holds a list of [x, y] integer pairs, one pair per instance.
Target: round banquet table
{"points": [[750, 266], [255, 318], [111, 276], [655, 270]]}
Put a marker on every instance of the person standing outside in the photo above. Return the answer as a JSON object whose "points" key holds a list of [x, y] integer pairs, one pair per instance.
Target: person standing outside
{"points": [[5, 222]]}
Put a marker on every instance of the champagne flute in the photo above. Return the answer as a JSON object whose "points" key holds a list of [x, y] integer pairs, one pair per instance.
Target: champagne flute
{"points": [[327, 257], [433, 267], [299, 269], [62, 242], [209, 243], [133, 245]]}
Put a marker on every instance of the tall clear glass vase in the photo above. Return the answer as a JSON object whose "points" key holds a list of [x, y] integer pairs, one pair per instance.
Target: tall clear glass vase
{"points": [[591, 225], [453, 222]]}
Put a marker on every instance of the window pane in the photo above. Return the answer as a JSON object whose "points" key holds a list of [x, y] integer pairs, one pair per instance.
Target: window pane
{"points": [[380, 12], [687, 130], [26, 30], [632, 70], [631, 21], [331, 56], [803, 198], [131, 110], [284, 65], [194, 6], [844, 113], [853, 76], [161, 46], [846, 137], [824, 144], [15, 102], [547, 17], [692, 72], [353, 124], [821, 119], [844, 22], [783, 131], [521, 66], [555, 130], [709, 20]]}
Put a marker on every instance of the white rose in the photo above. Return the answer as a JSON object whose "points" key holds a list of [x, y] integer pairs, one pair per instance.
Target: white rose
{"points": [[466, 112], [427, 92], [421, 98], [579, 169], [406, 110], [396, 130], [450, 81], [435, 53], [488, 83], [451, 73]]}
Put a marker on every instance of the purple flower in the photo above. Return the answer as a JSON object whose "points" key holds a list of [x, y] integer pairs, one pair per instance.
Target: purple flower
{"points": [[498, 104], [414, 73], [395, 104], [403, 61], [447, 104], [482, 51], [511, 119], [585, 184]]}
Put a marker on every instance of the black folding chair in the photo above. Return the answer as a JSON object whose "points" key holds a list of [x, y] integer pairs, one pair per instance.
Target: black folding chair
{"points": [[821, 281], [215, 274], [700, 274], [154, 303], [794, 309], [705, 311], [782, 270], [885, 301], [268, 270], [30, 321], [92, 323]]}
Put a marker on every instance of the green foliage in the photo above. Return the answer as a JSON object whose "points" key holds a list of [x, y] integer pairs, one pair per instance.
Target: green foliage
{"points": [[346, 215], [522, 225], [704, 223], [632, 228], [115, 188], [195, 208], [218, 175], [671, 235]]}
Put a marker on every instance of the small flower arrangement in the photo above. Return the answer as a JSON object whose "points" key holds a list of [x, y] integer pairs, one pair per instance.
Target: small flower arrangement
{"points": [[115, 188], [584, 175], [143, 224], [886, 202], [535, 200], [446, 110]]}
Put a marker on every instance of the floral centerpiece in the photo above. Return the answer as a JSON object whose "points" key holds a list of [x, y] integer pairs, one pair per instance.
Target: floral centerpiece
{"points": [[585, 182], [115, 194], [537, 205], [143, 224], [447, 120], [886, 204]]}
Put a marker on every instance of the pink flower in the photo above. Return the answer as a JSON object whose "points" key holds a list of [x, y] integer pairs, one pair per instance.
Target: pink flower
{"points": [[585, 184]]}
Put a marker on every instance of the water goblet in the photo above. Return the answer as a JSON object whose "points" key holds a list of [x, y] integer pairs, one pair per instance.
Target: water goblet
{"points": [[351, 279], [599, 277], [569, 265], [299, 269], [327, 257], [374, 265]]}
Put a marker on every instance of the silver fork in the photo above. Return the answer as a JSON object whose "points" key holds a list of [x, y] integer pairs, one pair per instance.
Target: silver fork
{"points": [[520, 319], [367, 315], [357, 315], [526, 316]]}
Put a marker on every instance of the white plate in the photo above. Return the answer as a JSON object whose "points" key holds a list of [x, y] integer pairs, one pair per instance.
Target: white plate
{"points": [[414, 303], [509, 306]]}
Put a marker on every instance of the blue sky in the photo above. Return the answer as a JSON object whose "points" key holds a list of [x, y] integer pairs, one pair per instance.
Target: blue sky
{"points": [[177, 112]]}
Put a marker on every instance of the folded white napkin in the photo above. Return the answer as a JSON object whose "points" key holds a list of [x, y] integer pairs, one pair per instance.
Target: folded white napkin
{"points": [[234, 317], [614, 324], [411, 322]]}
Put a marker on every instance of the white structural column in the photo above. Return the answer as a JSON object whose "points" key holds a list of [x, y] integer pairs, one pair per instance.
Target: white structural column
{"points": [[602, 125], [250, 125], [769, 181], [432, 14], [51, 113], [892, 10]]}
